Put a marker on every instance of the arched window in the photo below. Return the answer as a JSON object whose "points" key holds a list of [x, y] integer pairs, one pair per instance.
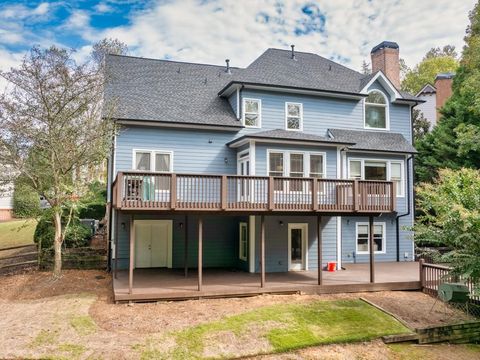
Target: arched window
{"points": [[376, 110]]}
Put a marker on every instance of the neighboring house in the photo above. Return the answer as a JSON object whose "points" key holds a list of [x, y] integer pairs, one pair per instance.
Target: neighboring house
{"points": [[242, 162], [435, 97], [6, 202]]}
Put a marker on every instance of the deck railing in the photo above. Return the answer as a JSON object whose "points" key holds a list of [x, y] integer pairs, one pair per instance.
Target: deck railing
{"points": [[171, 191]]}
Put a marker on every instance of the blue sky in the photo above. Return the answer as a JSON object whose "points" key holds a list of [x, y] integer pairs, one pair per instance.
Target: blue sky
{"points": [[211, 30]]}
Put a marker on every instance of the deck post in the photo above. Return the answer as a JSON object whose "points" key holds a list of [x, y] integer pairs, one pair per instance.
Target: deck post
{"points": [[371, 230], [132, 255], [315, 194], [319, 249], [200, 252], [117, 213], [262, 251], [356, 205], [185, 259], [173, 191], [421, 261]]}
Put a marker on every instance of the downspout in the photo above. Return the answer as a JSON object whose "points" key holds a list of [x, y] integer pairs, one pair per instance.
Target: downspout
{"points": [[240, 113], [110, 222], [397, 219]]}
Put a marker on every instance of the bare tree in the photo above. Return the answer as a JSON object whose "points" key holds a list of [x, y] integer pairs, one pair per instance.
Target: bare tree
{"points": [[53, 120]]}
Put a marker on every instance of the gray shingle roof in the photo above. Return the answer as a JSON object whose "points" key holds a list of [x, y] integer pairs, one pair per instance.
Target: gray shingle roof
{"points": [[178, 92], [280, 134], [168, 91], [308, 71], [373, 140]]}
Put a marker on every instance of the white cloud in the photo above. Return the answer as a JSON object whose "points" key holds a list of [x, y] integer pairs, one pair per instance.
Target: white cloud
{"points": [[8, 60], [103, 7], [212, 31], [78, 20], [17, 11]]}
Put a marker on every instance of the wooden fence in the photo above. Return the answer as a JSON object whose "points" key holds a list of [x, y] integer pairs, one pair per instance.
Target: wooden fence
{"points": [[432, 275], [18, 257]]}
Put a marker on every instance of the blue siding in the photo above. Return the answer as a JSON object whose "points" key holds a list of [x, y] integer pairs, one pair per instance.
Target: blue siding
{"points": [[232, 99]]}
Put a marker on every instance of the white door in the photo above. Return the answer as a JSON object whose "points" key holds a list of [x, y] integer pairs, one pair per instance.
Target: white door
{"points": [[153, 243], [297, 247], [243, 184]]}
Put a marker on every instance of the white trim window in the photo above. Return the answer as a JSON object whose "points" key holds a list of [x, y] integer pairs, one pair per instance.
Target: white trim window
{"points": [[294, 116], [252, 112], [243, 241], [362, 238], [383, 170], [295, 164], [152, 160], [376, 111]]}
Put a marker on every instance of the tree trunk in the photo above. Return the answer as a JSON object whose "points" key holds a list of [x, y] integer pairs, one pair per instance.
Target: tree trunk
{"points": [[57, 245]]}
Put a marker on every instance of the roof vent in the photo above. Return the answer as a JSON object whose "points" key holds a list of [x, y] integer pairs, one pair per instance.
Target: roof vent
{"points": [[293, 52], [228, 66]]}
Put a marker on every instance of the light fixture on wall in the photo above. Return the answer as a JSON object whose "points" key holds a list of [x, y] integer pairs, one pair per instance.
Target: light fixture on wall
{"points": [[280, 223], [348, 221], [210, 141], [225, 159], [123, 225], [180, 225]]}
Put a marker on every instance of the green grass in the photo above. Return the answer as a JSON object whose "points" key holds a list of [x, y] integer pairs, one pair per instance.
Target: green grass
{"points": [[16, 232], [83, 325], [74, 350], [44, 337], [289, 327], [414, 352]]}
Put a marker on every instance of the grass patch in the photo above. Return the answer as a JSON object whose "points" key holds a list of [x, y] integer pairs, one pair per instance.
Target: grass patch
{"points": [[83, 325], [16, 233], [74, 350], [289, 327], [44, 337]]}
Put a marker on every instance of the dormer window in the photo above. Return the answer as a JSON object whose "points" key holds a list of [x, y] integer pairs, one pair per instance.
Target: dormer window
{"points": [[294, 116], [376, 111], [252, 109]]}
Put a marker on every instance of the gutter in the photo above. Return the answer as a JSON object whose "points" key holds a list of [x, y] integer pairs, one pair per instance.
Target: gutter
{"points": [[110, 222]]}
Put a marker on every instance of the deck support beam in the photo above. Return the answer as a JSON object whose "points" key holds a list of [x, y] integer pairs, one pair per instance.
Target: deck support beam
{"points": [[200, 253], [262, 251], [319, 249], [115, 238], [371, 233], [132, 255], [185, 259]]}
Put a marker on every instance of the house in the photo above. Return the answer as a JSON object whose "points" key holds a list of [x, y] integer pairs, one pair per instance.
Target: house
{"points": [[246, 169], [6, 202], [435, 96]]}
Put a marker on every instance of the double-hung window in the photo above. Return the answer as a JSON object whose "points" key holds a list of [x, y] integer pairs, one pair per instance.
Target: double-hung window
{"points": [[383, 170], [252, 109], [294, 116], [296, 170], [363, 238], [276, 168], [158, 161], [376, 111]]}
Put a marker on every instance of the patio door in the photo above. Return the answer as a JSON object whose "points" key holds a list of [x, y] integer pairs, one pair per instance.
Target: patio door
{"points": [[297, 247], [153, 243], [243, 168]]}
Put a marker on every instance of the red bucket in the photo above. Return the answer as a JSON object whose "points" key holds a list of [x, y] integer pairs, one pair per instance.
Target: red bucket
{"points": [[331, 266]]}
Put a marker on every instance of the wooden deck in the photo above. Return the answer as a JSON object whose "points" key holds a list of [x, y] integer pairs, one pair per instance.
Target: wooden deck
{"points": [[163, 284], [150, 191]]}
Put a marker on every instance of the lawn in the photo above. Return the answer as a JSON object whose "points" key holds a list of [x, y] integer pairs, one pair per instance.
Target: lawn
{"points": [[16, 232], [279, 328]]}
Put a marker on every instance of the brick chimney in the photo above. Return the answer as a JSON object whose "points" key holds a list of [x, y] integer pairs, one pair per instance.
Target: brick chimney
{"points": [[443, 84], [385, 57]]}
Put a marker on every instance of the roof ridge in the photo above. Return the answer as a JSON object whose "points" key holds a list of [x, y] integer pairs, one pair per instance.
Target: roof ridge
{"points": [[173, 61]]}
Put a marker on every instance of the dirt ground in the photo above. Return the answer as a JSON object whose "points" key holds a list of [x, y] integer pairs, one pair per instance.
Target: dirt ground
{"points": [[75, 317]]}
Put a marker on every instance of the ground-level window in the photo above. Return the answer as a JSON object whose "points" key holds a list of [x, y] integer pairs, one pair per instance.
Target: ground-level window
{"points": [[243, 246], [384, 170], [363, 236]]}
